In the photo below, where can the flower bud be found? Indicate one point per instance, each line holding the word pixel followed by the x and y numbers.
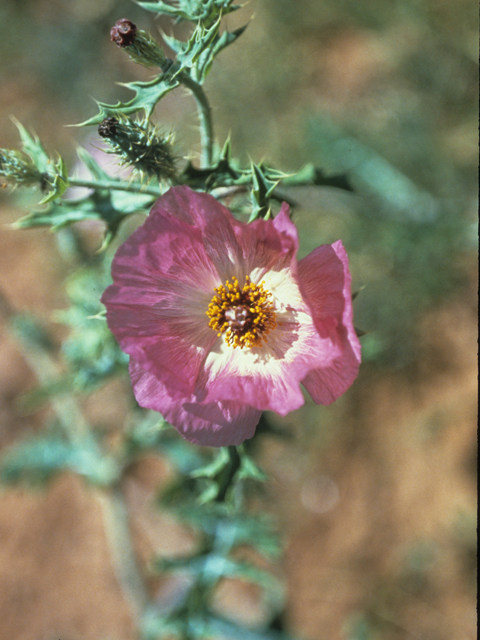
pixel 108 127
pixel 138 44
pixel 18 169
pixel 139 145
pixel 123 32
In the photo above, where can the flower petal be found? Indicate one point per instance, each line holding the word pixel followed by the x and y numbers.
pixel 163 280
pixel 325 281
pixel 234 248
pixel 268 245
pixel 216 424
pixel 269 376
pixel 214 223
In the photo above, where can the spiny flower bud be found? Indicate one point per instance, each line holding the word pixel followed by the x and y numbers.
pixel 17 168
pixel 139 145
pixel 108 127
pixel 139 45
pixel 123 32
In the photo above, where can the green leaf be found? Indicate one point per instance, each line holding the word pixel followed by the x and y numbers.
pixel 93 355
pixel 224 173
pixel 229 630
pixel 37 397
pixel 58 182
pixel 34 148
pixel 32 333
pixel 174 44
pixel 213 468
pixel 309 174
pixel 200 44
pixel 193 10
pixel 227 38
pixel 110 207
pixel 219 519
pixel 262 191
pixel 155 626
pixel 165 9
pixel 92 165
pixel 248 469
pixel 202 48
pixel 54 176
pixel 147 96
pixel 271 586
pixel 213 566
pixel 37 460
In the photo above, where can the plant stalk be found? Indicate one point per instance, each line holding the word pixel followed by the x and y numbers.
pixel 205 116
pixel 228 477
pixel 117 527
pixel 117 186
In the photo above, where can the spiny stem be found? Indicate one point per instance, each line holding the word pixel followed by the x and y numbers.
pixel 204 111
pixel 114 508
pixel 205 115
pixel 118 530
pixel 229 474
pixel 118 186
pixel 43 364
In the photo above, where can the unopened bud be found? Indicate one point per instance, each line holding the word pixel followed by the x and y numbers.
pixel 18 169
pixel 123 32
pixel 108 127
pixel 139 45
pixel 139 145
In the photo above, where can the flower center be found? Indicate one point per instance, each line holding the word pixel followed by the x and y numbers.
pixel 245 315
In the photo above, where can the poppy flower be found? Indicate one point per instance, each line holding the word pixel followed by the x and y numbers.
pixel 222 322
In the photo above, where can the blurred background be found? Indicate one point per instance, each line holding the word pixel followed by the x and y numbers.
pixel 376 495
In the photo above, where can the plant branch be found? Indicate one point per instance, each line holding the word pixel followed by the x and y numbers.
pixel 229 473
pixel 117 186
pixel 117 526
pixel 205 116
pixel 37 351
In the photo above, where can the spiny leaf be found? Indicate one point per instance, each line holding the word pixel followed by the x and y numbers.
pixel 221 42
pixel 165 9
pixel 227 38
pixel 52 176
pixel 174 44
pixel 214 566
pixel 147 95
pixel 33 147
pixel 310 174
pixel 96 171
pixel 262 191
pixel 200 41
pixel 101 205
pixel 221 628
pixel 193 10
pixel 39 459
pixel 61 215
pixel 155 626
pixel 213 468
pixel 203 46
pixel 58 182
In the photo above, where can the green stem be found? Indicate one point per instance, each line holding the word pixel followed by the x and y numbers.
pixel 228 476
pixel 115 514
pixel 118 186
pixel 205 116
pixel 38 355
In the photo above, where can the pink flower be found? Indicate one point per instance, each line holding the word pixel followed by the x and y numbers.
pixel 221 322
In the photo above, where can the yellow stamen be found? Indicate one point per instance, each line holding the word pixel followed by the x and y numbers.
pixel 245 315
